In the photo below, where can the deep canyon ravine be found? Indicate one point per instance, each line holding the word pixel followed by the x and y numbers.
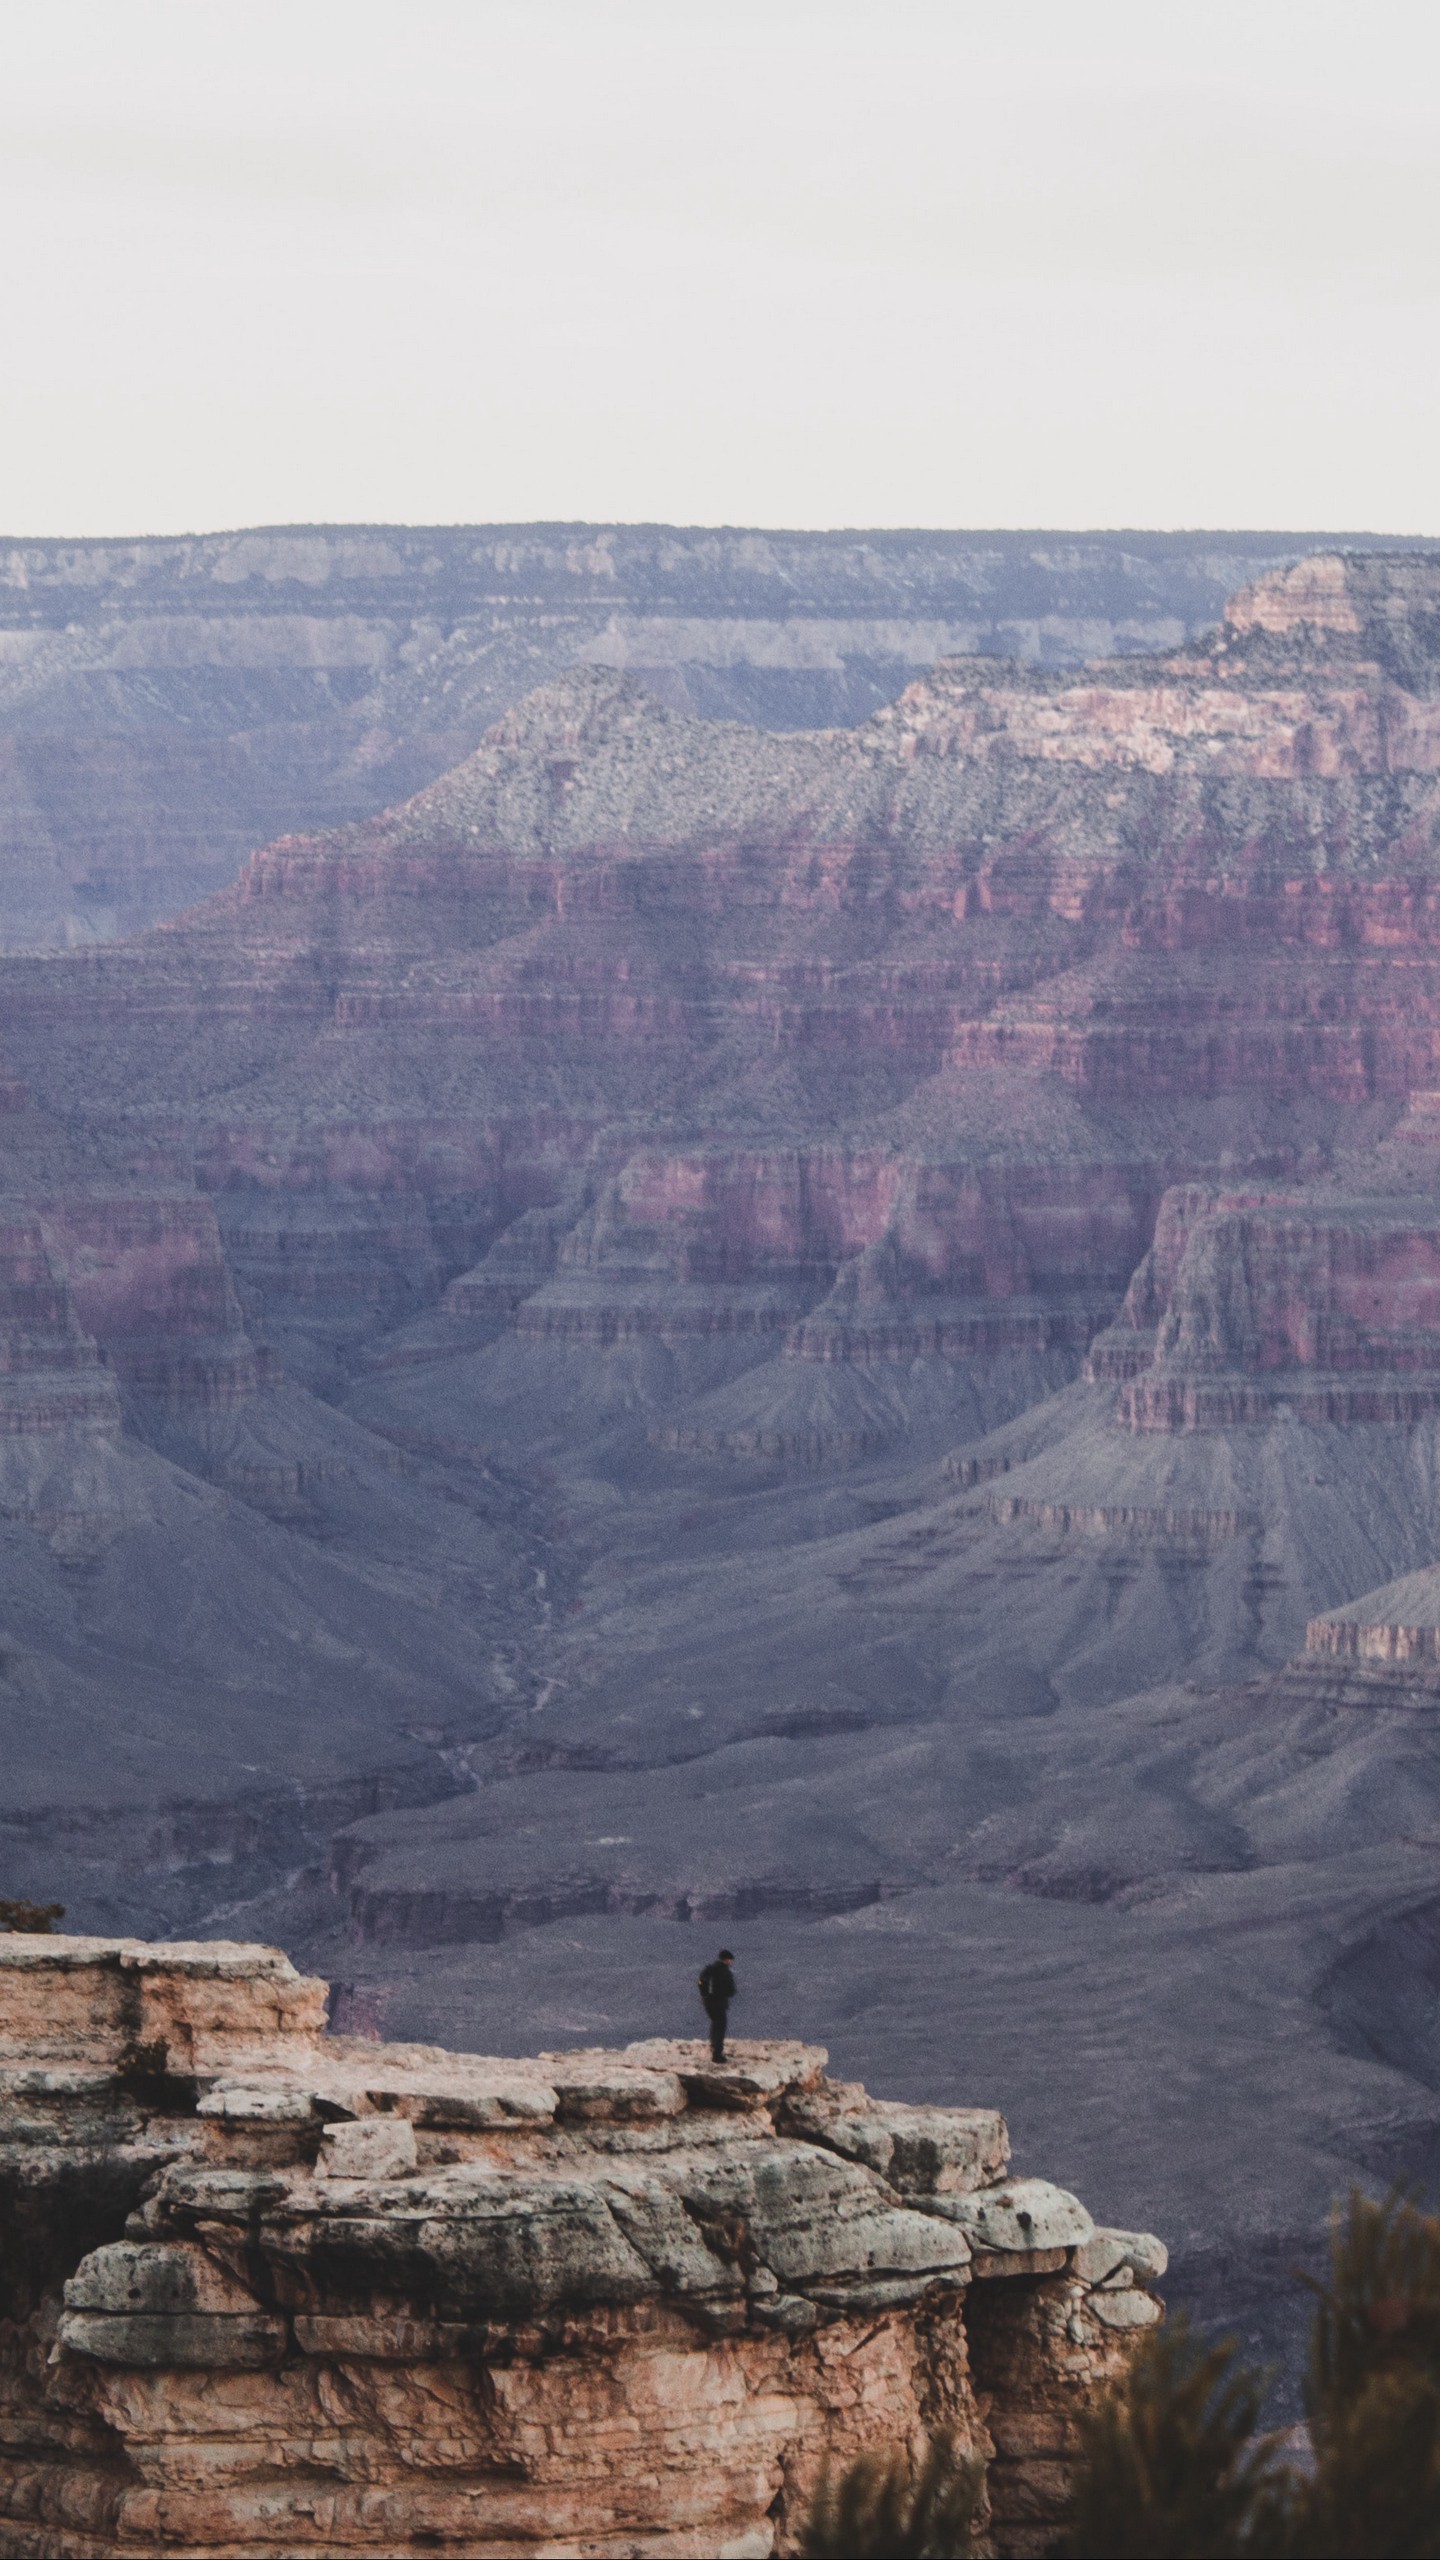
pixel 830 1333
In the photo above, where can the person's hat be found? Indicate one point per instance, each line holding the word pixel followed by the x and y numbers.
pixel 727 1955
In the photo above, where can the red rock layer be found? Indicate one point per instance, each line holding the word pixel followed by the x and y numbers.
pixel 50 1372
pixel 1250 1298
pixel 970 984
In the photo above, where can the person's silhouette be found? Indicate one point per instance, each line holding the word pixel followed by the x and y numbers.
pixel 717 1990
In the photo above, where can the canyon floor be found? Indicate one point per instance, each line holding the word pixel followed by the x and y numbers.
pixel 830 1339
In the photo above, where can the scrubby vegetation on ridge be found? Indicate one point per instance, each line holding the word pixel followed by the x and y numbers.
pixel 30 1919
pixel 1174 2462
pixel 883 2504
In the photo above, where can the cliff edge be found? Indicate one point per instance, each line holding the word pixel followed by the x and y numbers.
pixel 267 2290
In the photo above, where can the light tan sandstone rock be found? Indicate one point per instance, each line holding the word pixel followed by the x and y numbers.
pixel 104 2000
pixel 264 2291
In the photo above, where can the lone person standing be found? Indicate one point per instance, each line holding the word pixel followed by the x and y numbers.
pixel 717 1990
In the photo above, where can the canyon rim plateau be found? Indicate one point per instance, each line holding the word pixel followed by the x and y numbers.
pixel 742 1233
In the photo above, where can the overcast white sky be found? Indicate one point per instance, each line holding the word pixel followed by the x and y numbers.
pixel 799 262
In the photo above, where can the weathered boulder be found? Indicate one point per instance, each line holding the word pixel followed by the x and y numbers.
pixel 119 2001
pixel 1112 2258
pixel 158 2303
pixel 1024 2214
pixel 923 2151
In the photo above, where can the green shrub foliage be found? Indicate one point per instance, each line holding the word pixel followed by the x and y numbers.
pixel 1372 2393
pixel 1173 2464
pixel 886 2507
pixel 31 1919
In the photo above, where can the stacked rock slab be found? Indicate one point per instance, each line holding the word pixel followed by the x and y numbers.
pixel 1399 1623
pixel 266 2290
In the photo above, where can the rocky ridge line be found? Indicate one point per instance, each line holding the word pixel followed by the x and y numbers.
pixel 273 2291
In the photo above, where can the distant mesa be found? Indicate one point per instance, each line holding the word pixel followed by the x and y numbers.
pixel 1399 1623
pixel 168 705
pixel 1246 1301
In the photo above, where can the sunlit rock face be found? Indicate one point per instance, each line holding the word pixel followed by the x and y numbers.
pixel 269 2290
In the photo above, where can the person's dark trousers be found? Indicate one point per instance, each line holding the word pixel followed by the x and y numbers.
pixel 717 2019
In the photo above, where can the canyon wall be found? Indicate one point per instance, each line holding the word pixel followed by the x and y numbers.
pixel 836 1079
pixel 759 1008
pixel 1247 1300
pixel 268 2290
pixel 742 1098
pixel 168 705
pixel 696 1321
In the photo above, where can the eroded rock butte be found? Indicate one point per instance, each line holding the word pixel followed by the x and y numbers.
pixel 268 2290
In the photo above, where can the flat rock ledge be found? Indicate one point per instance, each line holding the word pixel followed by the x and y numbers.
pixel 264 2290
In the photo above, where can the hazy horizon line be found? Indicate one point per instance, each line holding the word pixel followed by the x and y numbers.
pixel 671 524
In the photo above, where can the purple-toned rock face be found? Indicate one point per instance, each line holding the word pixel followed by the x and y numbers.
pixel 786 1331
pixel 167 705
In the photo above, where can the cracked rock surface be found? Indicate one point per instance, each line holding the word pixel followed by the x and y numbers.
pixel 267 2290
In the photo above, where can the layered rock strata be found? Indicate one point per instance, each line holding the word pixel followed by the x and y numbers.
pixel 1248 1300
pixel 857 1047
pixel 272 2291
pixel 674 1102
pixel 1400 1623
pixel 685 1100
pixel 167 705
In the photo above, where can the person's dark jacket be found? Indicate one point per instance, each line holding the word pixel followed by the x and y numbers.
pixel 717 1987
